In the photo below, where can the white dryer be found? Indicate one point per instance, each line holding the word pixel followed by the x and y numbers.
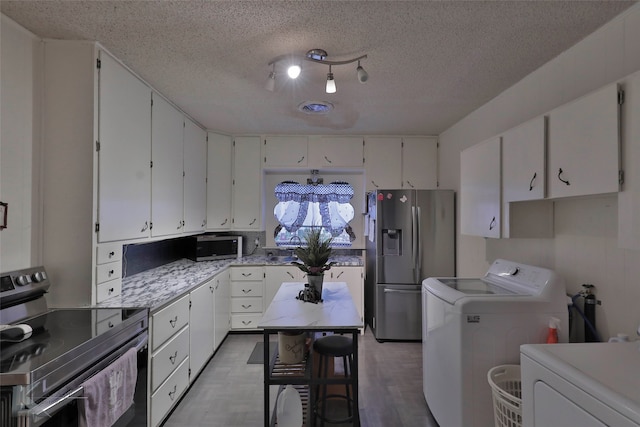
pixel 472 325
pixel 582 384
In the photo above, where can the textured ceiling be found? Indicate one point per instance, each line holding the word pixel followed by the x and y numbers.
pixel 430 63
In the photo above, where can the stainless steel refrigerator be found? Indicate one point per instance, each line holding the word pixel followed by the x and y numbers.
pixel 411 236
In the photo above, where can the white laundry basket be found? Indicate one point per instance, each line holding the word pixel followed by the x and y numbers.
pixel 506 388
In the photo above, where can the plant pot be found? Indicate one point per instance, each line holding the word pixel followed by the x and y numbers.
pixel 316 282
pixel 291 346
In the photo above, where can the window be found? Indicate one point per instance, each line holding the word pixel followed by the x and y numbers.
pixel 303 206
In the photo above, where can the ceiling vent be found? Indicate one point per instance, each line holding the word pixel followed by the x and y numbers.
pixel 315 107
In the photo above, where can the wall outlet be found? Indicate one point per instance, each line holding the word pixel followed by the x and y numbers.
pixel 257 242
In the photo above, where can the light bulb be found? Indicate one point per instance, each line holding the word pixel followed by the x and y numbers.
pixel 363 76
pixel 294 71
pixel 331 84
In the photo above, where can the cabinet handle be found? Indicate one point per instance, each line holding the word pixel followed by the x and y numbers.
pixel 174 322
pixel 247 322
pixel 211 288
pixel 146 227
pixel 172 394
pixel 224 222
pixel 111 254
pixel 563 180
pixel 341 273
pixel 374 184
pixel 290 275
pixel 253 222
pixel 110 291
pixel 204 222
pixel 492 223
pixel 246 306
pixel 110 272
pixel 110 324
pixel 246 274
pixel 410 184
pixel 328 161
pixel 179 225
pixel 301 159
pixel 173 358
pixel 535 174
pixel 246 291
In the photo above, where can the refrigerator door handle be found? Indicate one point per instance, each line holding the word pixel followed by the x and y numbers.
pixel 419 245
pixel 400 291
pixel 414 242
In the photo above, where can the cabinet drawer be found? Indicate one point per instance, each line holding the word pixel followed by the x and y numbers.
pixel 246 305
pixel 245 321
pixel 246 273
pixel 168 321
pixel 169 357
pixel 108 252
pixel 104 325
pixel 110 271
pixel 109 289
pixel 168 394
pixel 246 289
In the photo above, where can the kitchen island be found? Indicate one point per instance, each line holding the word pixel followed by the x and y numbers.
pixel 336 313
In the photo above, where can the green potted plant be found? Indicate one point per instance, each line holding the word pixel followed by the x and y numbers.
pixel 314 257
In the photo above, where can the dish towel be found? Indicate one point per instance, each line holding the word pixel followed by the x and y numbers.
pixel 109 393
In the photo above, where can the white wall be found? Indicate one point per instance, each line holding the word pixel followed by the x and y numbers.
pixel 585 247
pixel 20 61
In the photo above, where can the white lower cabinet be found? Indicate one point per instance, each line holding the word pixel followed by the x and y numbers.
pixel 247 285
pixel 201 327
pixel 169 357
pixel 221 308
pixel 169 393
pixel 276 275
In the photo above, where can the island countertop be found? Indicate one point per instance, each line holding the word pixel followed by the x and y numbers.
pixel 336 311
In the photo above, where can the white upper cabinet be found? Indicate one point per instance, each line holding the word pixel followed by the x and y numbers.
pixel 195 177
pixel 383 162
pixel 124 196
pixel 523 161
pixel 524 180
pixel 480 189
pixel 338 151
pixel 247 184
pixel 219 162
pixel 167 124
pixel 420 163
pixel 584 145
pixel 285 151
pixel 629 197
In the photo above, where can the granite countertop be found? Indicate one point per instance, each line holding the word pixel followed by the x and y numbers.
pixel 159 286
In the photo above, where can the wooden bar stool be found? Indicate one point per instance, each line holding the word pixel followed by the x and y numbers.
pixel 328 347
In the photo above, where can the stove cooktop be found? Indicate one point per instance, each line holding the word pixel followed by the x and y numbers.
pixel 63 342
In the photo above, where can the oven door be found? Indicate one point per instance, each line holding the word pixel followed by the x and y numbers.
pixel 62 410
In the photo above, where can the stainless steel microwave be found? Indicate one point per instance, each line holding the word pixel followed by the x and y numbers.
pixel 210 247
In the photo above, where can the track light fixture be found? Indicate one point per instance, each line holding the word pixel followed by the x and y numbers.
pixel 314 55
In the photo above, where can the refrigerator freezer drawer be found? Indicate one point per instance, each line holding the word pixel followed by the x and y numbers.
pixel 398 312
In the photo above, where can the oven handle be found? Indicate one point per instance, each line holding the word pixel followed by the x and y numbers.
pixel 43 411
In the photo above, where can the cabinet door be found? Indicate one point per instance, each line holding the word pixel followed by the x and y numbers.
pixel 584 145
pixel 166 168
pixel 222 308
pixel 629 198
pixel 480 189
pixel 345 151
pixel 247 188
pixel 219 182
pixel 285 151
pixel 354 277
pixel 124 173
pixel 275 276
pixel 195 177
pixel 420 162
pixel 383 162
pixel 201 326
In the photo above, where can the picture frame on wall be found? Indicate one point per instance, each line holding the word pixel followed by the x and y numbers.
pixel 4 208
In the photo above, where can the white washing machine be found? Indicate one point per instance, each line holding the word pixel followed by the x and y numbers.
pixel 582 384
pixel 472 325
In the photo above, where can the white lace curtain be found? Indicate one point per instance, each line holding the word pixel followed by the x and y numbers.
pixel 301 205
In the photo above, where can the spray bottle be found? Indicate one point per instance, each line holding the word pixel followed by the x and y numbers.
pixel 552 335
